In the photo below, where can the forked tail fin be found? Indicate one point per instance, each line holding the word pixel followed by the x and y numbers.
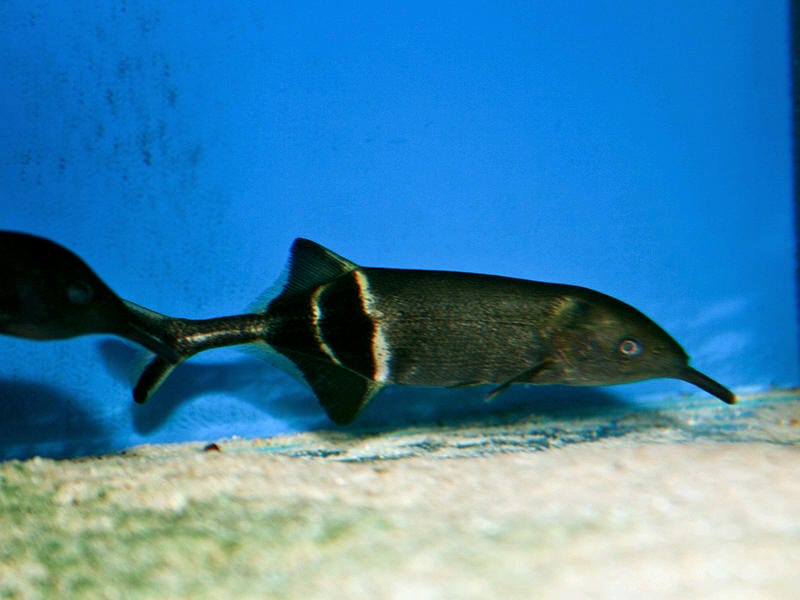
pixel 161 328
pixel 187 337
pixel 150 329
pixel 154 374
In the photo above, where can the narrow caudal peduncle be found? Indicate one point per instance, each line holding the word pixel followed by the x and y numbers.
pixel 197 335
pixel 186 337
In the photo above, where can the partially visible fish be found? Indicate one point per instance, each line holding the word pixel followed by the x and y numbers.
pixel 48 293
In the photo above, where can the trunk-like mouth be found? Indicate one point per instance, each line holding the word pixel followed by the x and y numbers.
pixel 705 382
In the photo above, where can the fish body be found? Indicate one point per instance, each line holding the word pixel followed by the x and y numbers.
pixel 351 330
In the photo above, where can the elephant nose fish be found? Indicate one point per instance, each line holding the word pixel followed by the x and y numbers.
pixel 48 293
pixel 349 331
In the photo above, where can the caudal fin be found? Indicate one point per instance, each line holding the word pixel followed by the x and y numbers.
pixel 151 330
pixel 184 338
pixel 154 374
pixel 157 333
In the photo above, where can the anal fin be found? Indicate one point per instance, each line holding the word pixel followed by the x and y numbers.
pixel 341 392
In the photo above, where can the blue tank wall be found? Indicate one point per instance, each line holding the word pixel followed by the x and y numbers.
pixel 642 149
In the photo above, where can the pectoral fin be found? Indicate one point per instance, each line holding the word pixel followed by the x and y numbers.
pixel 524 376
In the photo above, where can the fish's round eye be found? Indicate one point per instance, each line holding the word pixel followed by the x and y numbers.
pixel 80 292
pixel 630 347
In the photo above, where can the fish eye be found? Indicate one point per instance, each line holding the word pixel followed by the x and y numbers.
pixel 630 347
pixel 80 292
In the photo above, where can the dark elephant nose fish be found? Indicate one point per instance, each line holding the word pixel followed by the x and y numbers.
pixel 49 293
pixel 349 331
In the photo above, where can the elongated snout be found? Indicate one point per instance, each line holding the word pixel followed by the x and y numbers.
pixel 704 382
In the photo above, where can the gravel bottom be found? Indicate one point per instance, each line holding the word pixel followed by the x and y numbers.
pixel 697 500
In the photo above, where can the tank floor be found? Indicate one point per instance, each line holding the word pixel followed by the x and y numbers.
pixel 688 499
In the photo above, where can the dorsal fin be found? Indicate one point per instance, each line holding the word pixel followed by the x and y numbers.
pixel 311 265
pixel 341 392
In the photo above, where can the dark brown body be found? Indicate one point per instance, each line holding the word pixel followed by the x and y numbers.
pixel 352 330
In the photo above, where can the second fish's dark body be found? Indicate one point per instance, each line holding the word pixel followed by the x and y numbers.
pixel 351 330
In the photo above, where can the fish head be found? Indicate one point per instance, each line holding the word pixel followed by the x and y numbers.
pixel 599 340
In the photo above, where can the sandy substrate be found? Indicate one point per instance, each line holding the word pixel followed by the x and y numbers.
pixel 698 500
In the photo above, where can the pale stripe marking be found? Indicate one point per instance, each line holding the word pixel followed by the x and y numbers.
pixel 316 316
pixel 381 353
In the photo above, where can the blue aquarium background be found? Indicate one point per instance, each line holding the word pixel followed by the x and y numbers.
pixel 639 148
